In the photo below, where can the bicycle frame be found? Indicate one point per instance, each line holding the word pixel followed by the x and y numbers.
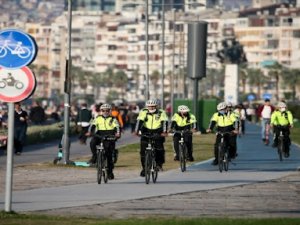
pixel 223 160
pixel 182 149
pixel 283 148
pixel 150 159
pixel 102 163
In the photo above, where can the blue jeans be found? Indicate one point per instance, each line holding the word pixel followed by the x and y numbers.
pixel 264 122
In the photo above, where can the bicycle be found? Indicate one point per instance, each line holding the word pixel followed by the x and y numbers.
pixel 282 147
pixel 150 156
pixel 223 154
pixel 102 163
pixel 182 149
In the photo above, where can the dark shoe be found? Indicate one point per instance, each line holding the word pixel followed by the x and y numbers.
pixel 215 162
pixel 191 159
pixel 92 161
pixel 111 176
pixel 263 139
pixel 286 154
pixel 159 167
pixel 142 174
pixel 18 153
pixel 176 158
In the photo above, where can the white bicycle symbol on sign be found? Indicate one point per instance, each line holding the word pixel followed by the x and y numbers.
pixel 15 49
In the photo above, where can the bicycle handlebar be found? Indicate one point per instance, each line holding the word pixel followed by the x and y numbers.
pixel 151 135
pixel 181 132
pixel 106 137
pixel 223 133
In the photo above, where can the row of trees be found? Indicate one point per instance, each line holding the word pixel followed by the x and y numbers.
pixel 117 81
pixel 272 77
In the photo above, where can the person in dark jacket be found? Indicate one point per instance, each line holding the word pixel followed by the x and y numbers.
pixel 83 120
pixel 21 118
pixel 37 114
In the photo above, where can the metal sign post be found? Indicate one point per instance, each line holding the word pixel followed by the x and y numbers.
pixel 9 164
pixel 17 82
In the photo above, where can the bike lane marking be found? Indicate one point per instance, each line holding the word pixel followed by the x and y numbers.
pixel 16 85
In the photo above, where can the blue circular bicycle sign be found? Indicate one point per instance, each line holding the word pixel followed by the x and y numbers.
pixel 17 49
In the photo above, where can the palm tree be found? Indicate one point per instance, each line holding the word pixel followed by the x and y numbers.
pixel 95 81
pixel 256 78
pixel 155 78
pixel 121 81
pixel 214 78
pixel 243 75
pixel 275 71
pixel 107 79
pixel 291 77
pixel 136 77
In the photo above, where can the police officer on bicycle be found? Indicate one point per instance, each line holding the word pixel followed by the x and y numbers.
pixel 225 122
pixel 155 121
pixel 104 124
pixel 184 120
pixel 282 119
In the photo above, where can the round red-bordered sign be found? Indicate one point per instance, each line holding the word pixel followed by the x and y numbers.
pixel 16 85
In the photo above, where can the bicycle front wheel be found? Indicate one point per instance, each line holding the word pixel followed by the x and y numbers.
pixel 220 156
pixel 182 157
pixel 148 165
pixel 280 148
pixel 225 160
pixel 104 168
pixel 99 167
pixel 154 171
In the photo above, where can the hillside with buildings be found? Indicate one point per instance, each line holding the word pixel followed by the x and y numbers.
pixel 108 48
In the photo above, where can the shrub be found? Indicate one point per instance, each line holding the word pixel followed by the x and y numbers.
pixel 41 134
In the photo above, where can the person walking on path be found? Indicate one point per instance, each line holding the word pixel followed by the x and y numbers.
pixel 21 118
pixel 83 119
pixel 264 112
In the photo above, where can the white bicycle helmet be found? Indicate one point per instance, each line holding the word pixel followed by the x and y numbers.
pixel 281 105
pixel 221 106
pixel 151 102
pixel 105 106
pixel 183 108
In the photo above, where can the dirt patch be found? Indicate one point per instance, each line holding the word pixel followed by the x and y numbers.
pixel 34 176
pixel 276 198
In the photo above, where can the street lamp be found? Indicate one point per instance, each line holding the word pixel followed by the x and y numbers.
pixel 163 4
pixel 67 104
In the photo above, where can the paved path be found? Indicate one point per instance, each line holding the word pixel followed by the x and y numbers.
pixel 255 163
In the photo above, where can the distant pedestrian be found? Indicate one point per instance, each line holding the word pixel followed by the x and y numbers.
pixel 132 116
pixel 37 114
pixel 21 118
pixel 84 117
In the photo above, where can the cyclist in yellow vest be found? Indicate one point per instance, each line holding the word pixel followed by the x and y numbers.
pixel 225 122
pixel 104 124
pixel 152 120
pixel 183 120
pixel 282 119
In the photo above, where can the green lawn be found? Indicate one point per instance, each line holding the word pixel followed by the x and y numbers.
pixel 22 219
